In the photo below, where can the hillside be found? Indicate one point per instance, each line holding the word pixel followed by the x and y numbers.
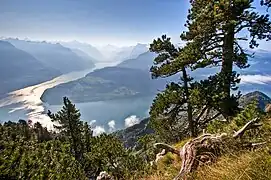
pixel 20 69
pixel 130 52
pixel 119 54
pixel 144 61
pixel 53 55
pixel 105 84
pixel 84 56
pixel 129 136
pixel 257 96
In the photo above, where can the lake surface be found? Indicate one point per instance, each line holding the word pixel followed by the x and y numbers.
pixel 26 104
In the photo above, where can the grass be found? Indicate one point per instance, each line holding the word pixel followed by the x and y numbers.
pixel 243 165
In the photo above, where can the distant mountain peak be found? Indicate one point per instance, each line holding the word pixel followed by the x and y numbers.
pixel 257 96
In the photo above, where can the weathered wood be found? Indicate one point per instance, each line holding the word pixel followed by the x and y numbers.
pixel 250 125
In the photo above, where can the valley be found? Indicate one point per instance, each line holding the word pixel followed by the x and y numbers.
pixel 122 89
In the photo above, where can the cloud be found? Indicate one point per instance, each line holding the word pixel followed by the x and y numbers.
pixel 132 120
pixel 98 130
pixel 111 125
pixel 255 79
pixel 92 122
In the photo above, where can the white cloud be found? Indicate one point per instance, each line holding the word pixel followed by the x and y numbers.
pixel 111 125
pixel 255 79
pixel 132 120
pixel 92 122
pixel 98 130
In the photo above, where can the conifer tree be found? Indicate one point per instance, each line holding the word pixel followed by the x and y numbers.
pixel 68 123
pixel 87 136
pixel 167 64
pixel 176 102
pixel 216 29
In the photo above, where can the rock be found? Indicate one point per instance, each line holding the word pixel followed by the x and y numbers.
pixel 104 176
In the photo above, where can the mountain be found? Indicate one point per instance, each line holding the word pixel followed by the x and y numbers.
pixel 53 55
pixel 144 61
pixel 114 53
pixel 88 49
pixel 138 49
pixel 257 96
pixel 110 51
pixel 105 84
pixel 20 69
pixel 84 56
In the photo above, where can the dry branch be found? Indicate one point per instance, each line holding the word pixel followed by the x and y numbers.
pixel 250 125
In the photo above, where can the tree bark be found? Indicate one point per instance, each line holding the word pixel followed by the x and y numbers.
pixel 192 127
pixel 226 70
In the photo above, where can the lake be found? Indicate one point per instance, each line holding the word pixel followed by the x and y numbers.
pixel 26 104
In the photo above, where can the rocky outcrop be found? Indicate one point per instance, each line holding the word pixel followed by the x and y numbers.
pixel 130 135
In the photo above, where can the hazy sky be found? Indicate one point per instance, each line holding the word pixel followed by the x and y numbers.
pixel 119 22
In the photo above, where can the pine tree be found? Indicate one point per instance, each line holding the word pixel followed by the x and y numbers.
pixel 87 136
pixel 178 101
pixel 69 124
pixel 168 64
pixel 42 133
pixel 215 28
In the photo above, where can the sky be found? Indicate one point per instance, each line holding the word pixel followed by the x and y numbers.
pixel 92 21
pixel 98 22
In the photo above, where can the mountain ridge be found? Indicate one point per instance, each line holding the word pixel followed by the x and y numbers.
pixel 53 55
pixel 105 84
pixel 15 72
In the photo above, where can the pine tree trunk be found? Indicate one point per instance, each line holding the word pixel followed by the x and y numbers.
pixel 227 66
pixel 189 107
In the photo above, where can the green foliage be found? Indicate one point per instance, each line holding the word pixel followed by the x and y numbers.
pixel 214 31
pixel 147 150
pixel 32 152
pixel 212 39
pixel 250 112
pixel 70 126
pixel 108 154
pixel 165 119
pixel 28 158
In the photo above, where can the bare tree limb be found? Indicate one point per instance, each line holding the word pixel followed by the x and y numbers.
pixel 250 125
